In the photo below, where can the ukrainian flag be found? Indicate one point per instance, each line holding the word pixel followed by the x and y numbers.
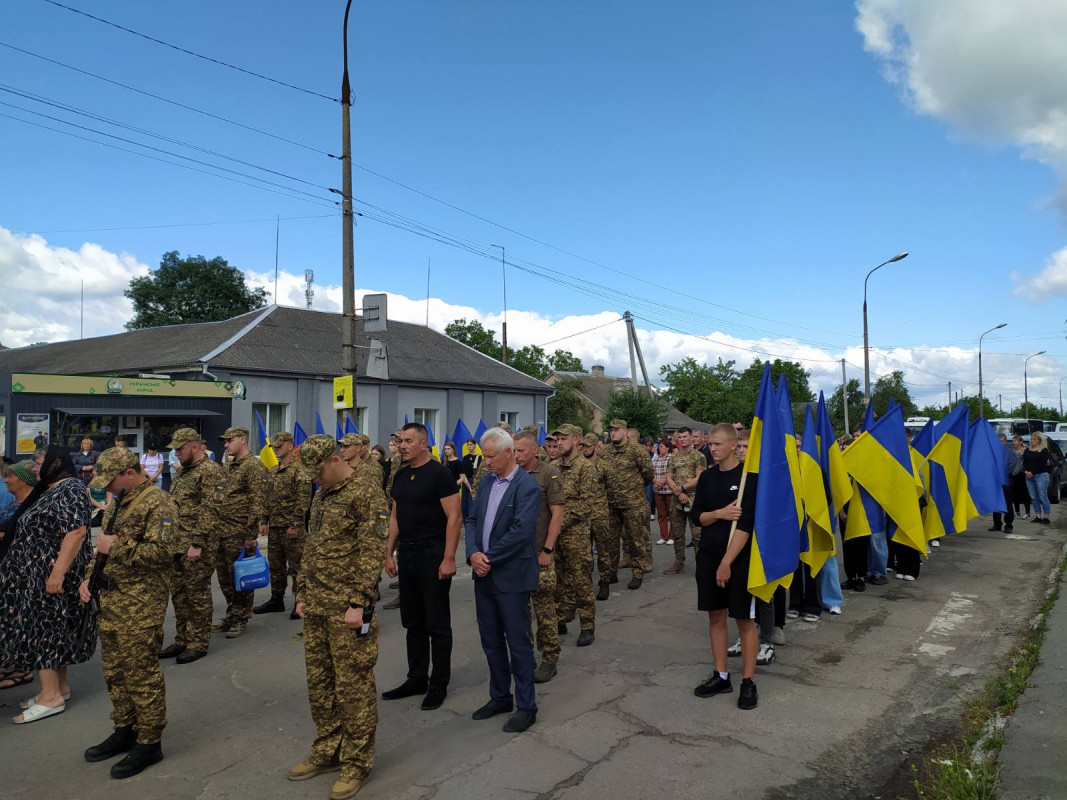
pixel 839 487
pixel 460 436
pixel 319 429
pixel 350 426
pixel 816 498
pixel 937 510
pixel 298 435
pixel 775 534
pixel 986 468
pixel 266 451
pixel 431 442
pixel 789 441
pixel 950 453
pixel 478 433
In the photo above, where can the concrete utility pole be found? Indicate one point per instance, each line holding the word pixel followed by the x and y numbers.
pixel 844 395
pixel 635 346
pixel 348 268
pixel 630 342
pixel 504 326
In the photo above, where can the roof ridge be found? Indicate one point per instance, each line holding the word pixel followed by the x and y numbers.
pixel 239 335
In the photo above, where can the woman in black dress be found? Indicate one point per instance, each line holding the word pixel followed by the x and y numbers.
pixel 39 581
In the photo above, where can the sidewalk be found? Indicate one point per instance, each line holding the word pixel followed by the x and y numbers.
pixel 1031 762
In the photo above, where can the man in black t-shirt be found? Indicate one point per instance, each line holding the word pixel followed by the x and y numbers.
pixel 722 563
pixel 425 526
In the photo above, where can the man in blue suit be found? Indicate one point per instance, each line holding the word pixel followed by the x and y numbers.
pixel 502 551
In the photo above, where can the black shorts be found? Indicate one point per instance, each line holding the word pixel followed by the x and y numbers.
pixel 734 597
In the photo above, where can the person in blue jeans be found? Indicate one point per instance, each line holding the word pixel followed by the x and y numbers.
pixel 829 581
pixel 1037 463
pixel 878 548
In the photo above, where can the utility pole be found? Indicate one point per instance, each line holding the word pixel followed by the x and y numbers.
pixel 427 293
pixel 348 267
pixel 630 342
pixel 844 394
pixel 950 395
pixel 635 346
pixel 277 237
pixel 504 277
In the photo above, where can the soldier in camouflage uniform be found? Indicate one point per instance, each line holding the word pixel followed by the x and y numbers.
pixel 627 468
pixel 395 463
pixel 140 553
pixel 243 514
pixel 368 468
pixel 574 564
pixel 683 468
pixel 343 557
pixel 549 520
pixel 288 500
pixel 193 492
pixel 599 518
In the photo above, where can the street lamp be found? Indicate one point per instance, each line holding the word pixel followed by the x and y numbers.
pixel 997 328
pixel 504 275
pixel 866 349
pixel 1064 378
pixel 1026 396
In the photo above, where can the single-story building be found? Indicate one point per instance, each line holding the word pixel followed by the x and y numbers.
pixel 278 361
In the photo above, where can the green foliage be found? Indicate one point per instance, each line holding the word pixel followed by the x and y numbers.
pixel 565 361
pixel 891 387
pixel 647 414
pixel 1031 411
pixel 474 334
pixel 191 289
pixel 568 406
pixel 530 359
pixel 835 407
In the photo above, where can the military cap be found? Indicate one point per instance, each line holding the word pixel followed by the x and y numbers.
pixel 363 439
pixel 315 450
pixel 532 428
pixel 348 438
pixel 112 463
pixel 23 470
pixel 183 436
pixel 551 436
pixel 591 440
pixel 281 437
pixel 503 426
pixel 233 433
pixel 617 423
pixel 567 430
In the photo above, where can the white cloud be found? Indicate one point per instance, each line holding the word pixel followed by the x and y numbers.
pixel 1050 282
pixel 41 297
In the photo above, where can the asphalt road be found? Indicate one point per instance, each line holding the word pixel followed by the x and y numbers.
pixel 848 701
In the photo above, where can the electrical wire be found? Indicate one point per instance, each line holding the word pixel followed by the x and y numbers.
pixel 188 224
pixel 579 333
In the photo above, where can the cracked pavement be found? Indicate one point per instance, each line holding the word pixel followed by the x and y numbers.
pixel 848 701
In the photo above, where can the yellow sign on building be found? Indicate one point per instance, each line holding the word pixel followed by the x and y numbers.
pixel 342 392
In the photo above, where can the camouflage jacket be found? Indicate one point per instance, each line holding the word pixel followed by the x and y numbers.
pixel 345 549
pixel 371 471
pixel 481 472
pixel 580 486
pixel 600 497
pixel 242 497
pixel 626 469
pixel 193 492
pixel 139 561
pixel 289 495
pixel 685 466
pixel 395 463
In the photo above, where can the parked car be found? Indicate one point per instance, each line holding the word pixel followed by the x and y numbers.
pixel 1057 442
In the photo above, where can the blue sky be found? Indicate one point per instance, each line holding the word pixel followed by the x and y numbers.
pixel 753 162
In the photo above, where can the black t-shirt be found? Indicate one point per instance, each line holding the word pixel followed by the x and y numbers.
pixel 418 493
pixel 1037 461
pixel 455 468
pixel 716 489
pixel 469 465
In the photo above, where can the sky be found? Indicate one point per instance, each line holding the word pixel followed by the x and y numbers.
pixel 727 172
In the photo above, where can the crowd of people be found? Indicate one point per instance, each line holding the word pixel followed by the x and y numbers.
pixel 546 529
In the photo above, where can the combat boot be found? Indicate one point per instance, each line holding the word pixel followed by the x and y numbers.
pixel 222 625
pixel 276 603
pixel 120 741
pixel 343 788
pixel 676 568
pixel 237 629
pixel 137 760
pixel 602 590
pixel 545 671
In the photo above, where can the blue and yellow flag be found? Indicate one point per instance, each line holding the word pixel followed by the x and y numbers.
pixel 542 434
pixel 986 468
pixel 938 508
pixel 265 450
pixel 298 435
pixel 789 441
pixel 838 484
pixel 881 463
pixel 460 436
pixel 478 433
pixel 339 432
pixel 431 442
pixel 350 426
pixel 319 428
pixel 950 453
pixel 816 498
pixel 775 535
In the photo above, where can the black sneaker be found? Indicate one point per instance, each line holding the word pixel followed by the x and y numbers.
pixel 137 760
pixel 859 585
pixel 1008 529
pixel 121 741
pixel 994 529
pixel 748 697
pixel 714 685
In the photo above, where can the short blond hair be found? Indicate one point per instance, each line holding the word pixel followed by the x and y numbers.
pixel 725 428
pixel 87 442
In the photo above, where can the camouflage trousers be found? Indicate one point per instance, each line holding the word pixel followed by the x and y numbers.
pixel 238 604
pixel 283 555
pixel 134 678
pixel 574 577
pixel 607 561
pixel 630 525
pixel 344 702
pixel 190 592
pixel 543 600
pixel 678 522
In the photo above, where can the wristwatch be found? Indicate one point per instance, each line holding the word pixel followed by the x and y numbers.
pixel 547 550
pixel 355 606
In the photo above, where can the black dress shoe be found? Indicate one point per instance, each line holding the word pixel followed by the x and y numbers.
pixel 434 698
pixel 137 760
pixel 492 708
pixel 585 638
pixel 614 580
pixel 293 614
pixel 408 688
pixel 994 528
pixel 519 721
pixel 171 651
pixel 716 684
pixel 189 656
pixel 121 741
pixel 1008 529
pixel 602 591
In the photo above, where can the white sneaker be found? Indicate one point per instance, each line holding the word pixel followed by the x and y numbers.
pixel 734 650
pixel 812 617
pixel 792 613
pixel 936 543
pixel 778 635
pixel 908 577
pixel 765 655
pixel 1024 516
pixel 661 541
pixel 834 609
pixel 669 541
pixel 900 576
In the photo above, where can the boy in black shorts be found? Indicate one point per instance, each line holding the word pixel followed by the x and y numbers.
pixel 722 564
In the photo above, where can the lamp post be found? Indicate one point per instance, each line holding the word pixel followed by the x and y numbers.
pixel 1061 393
pixel 504 276
pixel 997 328
pixel 1026 395
pixel 866 349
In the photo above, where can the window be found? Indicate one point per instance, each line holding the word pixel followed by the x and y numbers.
pixel 273 416
pixel 428 417
pixel 358 415
pixel 511 418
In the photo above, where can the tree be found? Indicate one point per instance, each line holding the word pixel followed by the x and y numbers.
pixel 191 289
pixel 565 361
pixel 530 359
pixel 891 387
pixel 647 414
pixel 746 389
pixel 836 409
pixel 568 406
pixel 474 334
pixel 1031 411
pixel 700 391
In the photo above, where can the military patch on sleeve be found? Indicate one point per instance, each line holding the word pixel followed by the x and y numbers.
pixel 383 515
pixel 168 529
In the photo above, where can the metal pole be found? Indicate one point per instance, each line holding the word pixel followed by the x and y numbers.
pixel 427 293
pixel 1026 395
pixel 950 395
pixel 504 277
pixel 1061 395
pixel 629 341
pixel 866 348
pixel 844 394
pixel 348 268
pixel 640 357
pixel 277 235
pixel 995 328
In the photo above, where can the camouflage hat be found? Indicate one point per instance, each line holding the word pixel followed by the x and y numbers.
pixel 233 433
pixel 315 450
pixel 550 436
pixel 591 440
pixel 532 428
pixel 348 439
pixel 567 430
pixel 281 437
pixel 112 463
pixel 183 436
pixel 617 423
pixel 503 426
pixel 362 439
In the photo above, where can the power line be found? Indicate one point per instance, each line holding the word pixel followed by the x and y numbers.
pixel 271 220
pixel 579 333
pixel 185 50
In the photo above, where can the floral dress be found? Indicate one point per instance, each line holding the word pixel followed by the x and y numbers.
pixel 40 630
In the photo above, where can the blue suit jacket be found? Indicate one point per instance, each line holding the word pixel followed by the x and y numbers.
pixel 512 549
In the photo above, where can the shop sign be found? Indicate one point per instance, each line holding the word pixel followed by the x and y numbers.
pixel 35 383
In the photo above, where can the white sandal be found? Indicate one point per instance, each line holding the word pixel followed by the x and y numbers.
pixel 33 700
pixel 37 711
